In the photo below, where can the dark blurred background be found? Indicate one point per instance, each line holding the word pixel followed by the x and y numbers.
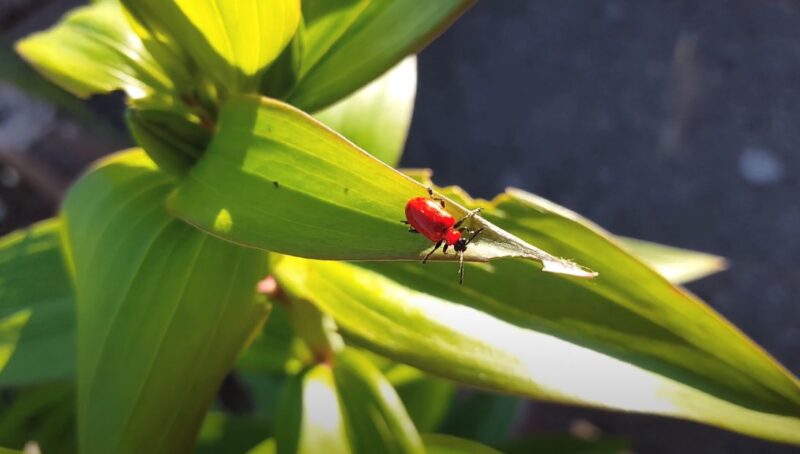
pixel 674 121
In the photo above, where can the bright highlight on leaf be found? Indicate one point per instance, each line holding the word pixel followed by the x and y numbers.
pixel 286 183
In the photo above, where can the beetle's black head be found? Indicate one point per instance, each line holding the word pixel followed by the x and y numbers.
pixel 461 245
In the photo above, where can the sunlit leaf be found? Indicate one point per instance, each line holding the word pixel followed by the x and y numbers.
pixel 426 398
pixel 627 340
pixel 353 43
pixel 677 265
pixel 274 178
pixel 376 418
pixel 377 117
pixel 163 310
pixel 37 320
pixel 312 418
pixel 231 42
pixel 93 50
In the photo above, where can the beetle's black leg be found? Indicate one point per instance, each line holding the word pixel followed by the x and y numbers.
pixel 404 222
pixel 466 217
pixel 432 251
pixel 412 230
pixel 438 199
pixel 445 248
pixel 461 268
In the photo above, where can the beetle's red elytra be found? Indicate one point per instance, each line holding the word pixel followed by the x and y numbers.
pixel 427 216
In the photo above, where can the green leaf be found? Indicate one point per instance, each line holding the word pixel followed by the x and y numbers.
pixel 377 117
pixel 163 310
pixel 44 413
pixel 9 451
pixel 276 349
pixel 376 418
pixel 566 444
pixel 223 433
pixel 677 265
pixel 312 418
pixel 173 140
pixel 627 340
pixel 446 444
pixel 37 319
pixel 93 50
pixel 347 45
pixel 484 417
pixel 276 179
pixel 230 42
pixel 426 398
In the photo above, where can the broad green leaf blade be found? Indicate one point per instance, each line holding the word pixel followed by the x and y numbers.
pixel 93 50
pixel 376 418
pixel 163 310
pixel 679 266
pixel 231 42
pixel 446 444
pixel 628 340
pixel 312 418
pixel 377 117
pixel 9 451
pixel 37 314
pixel 360 48
pixel 275 178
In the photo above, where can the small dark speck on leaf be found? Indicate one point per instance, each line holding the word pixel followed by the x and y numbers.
pixel 346 190
pixel 275 183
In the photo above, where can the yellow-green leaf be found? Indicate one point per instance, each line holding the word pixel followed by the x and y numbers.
pixel 361 40
pixel 275 178
pixel 93 50
pixel 163 310
pixel 677 265
pixel 377 117
pixel 231 42
pixel 628 340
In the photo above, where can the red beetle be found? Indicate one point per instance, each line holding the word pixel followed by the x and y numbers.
pixel 428 217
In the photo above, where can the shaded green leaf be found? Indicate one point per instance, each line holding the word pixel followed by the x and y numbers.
pixel 93 50
pixel 226 433
pixel 230 42
pixel 274 178
pixel 627 340
pixel 376 418
pixel 42 413
pixel 447 444
pixel 163 310
pixel 484 417
pixel 173 140
pixel 37 319
pixel 347 45
pixel 426 398
pixel 565 444
pixel 677 265
pixel 377 117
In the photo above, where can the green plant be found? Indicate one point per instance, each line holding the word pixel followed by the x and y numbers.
pixel 166 260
